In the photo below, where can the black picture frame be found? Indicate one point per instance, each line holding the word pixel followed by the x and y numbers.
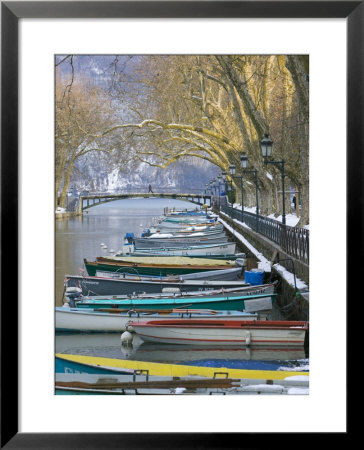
pixel 11 12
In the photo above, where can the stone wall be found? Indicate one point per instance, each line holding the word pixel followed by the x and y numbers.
pixel 270 250
pixel 289 304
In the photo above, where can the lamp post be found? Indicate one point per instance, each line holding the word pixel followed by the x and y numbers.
pixel 266 145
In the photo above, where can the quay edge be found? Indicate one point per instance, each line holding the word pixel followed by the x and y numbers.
pixel 291 304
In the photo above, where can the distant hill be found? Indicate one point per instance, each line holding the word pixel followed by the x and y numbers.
pixel 187 175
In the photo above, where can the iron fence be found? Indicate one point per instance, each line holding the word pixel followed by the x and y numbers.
pixel 292 240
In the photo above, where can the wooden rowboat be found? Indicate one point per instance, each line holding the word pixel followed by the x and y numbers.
pixel 72 363
pixel 220 302
pixel 156 266
pixel 141 382
pixel 222 332
pixel 232 274
pixel 111 321
pixel 165 240
pixel 125 286
pixel 213 250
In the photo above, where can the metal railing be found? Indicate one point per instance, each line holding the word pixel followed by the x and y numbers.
pixel 292 240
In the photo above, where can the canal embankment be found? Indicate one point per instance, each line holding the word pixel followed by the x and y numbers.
pixel 67 215
pixel 290 275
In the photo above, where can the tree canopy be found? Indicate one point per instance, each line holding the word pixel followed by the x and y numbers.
pixel 161 108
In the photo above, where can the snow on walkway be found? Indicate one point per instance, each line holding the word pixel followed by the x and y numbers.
pixel 264 263
pixel 291 219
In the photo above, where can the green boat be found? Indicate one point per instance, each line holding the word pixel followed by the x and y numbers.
pixel 157 266
pixel 231 301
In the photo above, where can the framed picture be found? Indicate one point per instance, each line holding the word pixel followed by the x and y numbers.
pixel 18 214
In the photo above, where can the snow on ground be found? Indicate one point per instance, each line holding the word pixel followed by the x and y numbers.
pixel 301 285
pixel 264 263
pixel 298 391
pixel 291 219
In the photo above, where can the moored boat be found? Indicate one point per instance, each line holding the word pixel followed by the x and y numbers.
pixel 96 321
pixel 154 232
pixel 233 274
pixel 222 332
pixel 212 251
pixel 137 383
pixel 125 286
pixel 166 240
pixel 223 301
pixel 156 265
pixel 74 363
pixel 183 252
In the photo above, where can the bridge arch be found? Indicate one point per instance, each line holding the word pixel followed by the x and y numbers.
pixel 98 199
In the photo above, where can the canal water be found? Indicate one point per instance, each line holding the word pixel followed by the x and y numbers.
pixel 80 238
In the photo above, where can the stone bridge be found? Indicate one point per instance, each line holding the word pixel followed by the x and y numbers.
pixel 87 201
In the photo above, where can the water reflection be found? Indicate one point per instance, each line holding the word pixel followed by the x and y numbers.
pixel 256 358
pixel 80 237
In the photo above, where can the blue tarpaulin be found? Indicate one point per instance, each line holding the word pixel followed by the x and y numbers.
pixel 254 278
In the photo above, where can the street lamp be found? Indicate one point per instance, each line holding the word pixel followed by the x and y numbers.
pixel 266 145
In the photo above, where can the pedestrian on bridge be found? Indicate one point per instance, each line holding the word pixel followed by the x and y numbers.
pixel 150 189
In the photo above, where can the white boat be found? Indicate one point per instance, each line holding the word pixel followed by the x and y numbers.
pixel 167 240
pixel 219 331
pixel 156 233
pixel 192 226
pixel 212 250
pixel 82 320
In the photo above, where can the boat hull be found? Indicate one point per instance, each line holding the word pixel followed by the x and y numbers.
pixel 178 242
pixel 139 269
pixel 211 275
pixel 86 321
pixel 86 364
pixel 237 302
pixel 193 333
pixel 227 248
pixel 124 286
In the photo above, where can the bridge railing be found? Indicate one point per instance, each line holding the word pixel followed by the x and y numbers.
pixel 93 199
pixel 140 190
pixel 292 240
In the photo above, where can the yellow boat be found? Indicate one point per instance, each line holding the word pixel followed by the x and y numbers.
pixel 95 364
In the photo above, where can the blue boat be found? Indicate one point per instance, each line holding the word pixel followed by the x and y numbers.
pixel 63 365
